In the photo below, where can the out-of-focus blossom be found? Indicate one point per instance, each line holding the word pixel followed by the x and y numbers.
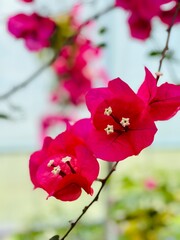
pixel 75 68
pixel 142 12
pixel 150 184
pixel 166 16
pixel 36 30
pixel 163 101
pixel 64 166
pixel 27 1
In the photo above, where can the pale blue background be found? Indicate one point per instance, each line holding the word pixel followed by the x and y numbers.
pixel 124 57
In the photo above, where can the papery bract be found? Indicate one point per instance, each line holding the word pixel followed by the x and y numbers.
pixel 142 13
pixel 166 16
pixel 36 30
pixel 27 1
pixel 162 101
pixel 140 28
pixel 120 125
pixel 74 68
pixel 64 166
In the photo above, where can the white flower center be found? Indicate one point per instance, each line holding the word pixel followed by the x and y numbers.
pixel 66 159
pixel 50 163
pixel 125 122
pixel 108 111
pixel 109 129
pixel 56 170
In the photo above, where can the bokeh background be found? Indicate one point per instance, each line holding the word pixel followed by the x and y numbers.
pixel 142 199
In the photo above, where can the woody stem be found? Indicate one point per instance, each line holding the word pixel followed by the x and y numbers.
pixel 166 48
pixel 103 183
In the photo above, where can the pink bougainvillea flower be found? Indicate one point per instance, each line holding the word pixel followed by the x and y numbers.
pixel 27 1
pixel 140 28
pixel 140 7
pixel 64 166
pixel 166 16
pixel 140 19
pixel 75 70
pixel 162 101
pixel 120 125
pixel 36 30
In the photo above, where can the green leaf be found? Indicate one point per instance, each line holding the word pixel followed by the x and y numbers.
pixel 4 116
pixel 102 45
pixel 102 30
pixel 156 53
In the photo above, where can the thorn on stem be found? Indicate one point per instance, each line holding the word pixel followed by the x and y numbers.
pixel 85 209
pixel 71 222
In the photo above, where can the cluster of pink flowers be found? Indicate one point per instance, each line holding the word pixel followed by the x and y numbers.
pixel 122 124
pixel 77 65
pixel 142 12
pixel 74 69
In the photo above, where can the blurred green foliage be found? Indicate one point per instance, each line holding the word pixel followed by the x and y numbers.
pixel 140 208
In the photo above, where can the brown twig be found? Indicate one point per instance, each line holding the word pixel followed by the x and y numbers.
pixel 103 182
pixel 30 79
pixel 166 48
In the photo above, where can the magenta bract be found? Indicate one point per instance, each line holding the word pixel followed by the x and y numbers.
pixel 75 70
pixel 120 125
pixel 64 166
pixel 142 13
pixel 36 30
pixel 27 1
pixel 162 101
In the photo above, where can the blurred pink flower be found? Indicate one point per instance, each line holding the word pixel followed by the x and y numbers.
pixel 166 16
pixel 36 30
pixel 74 66
pixel 142 12
pixel 150 184
pixel 27 1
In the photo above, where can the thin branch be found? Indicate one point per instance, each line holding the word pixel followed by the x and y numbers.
pixel 97 15
pixel 103 181
pixel 166 48
pixel 30 79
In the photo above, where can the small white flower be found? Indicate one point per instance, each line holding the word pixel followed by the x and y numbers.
pixel 56 170
pixel 108 111
pixel 109 129
pixel 50 163
pixel 66 159
pixel 125 122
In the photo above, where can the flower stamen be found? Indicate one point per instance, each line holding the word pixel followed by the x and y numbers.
pixel 66 159
pixel 50 163
pixel 56 170
pixel 108 111
pixel 109 129
pixel 125 122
